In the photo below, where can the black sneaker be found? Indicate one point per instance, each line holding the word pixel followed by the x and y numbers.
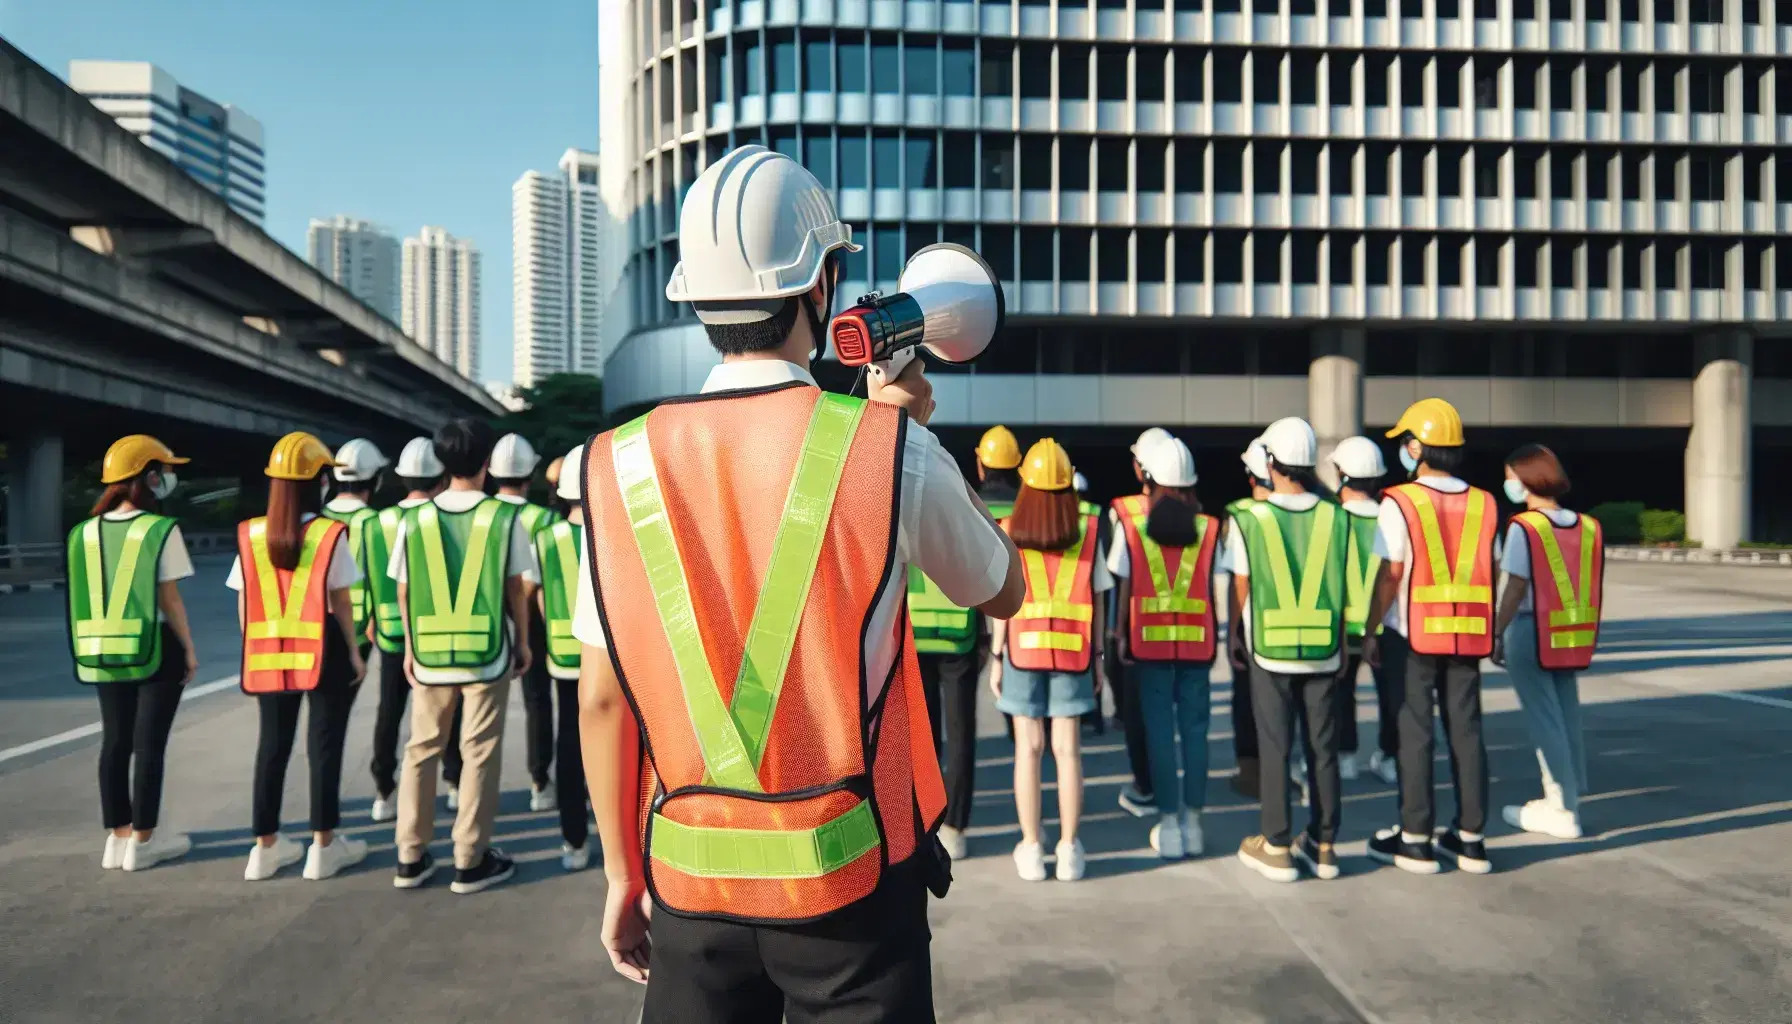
pixel 1137 804
pixel 414 874
pixel 1469 856
pixel 1320 859
pixel 1389 846
pixel 488 872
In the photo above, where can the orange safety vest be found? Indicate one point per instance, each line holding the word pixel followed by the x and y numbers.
pixel 1172 592
pixel 1449 572
pixel 1567 588
pixel 782 781
pixel 1054 631
pixel 285 611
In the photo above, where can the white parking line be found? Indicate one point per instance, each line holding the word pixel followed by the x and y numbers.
pixel 93 729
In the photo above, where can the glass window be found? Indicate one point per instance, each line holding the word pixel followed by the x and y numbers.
pixel 1449 81
pixel 997 248
pixel 1561 262
pixel 1228 165
pixel 920 167
pixel 1529 255
pixel 1707 87
pixel 857 265
pixel 1524 165
pixel 1377 67
pixel 1266 76
pixel 818 66
pixel 1191 257
pixel 1707 173
pixel 996 72
pixel 1487 82
pixel 1631 164
pixel 1487 261
pixel 1035 253
pixel 1110 165
pixel 1665 100
pixel 959 66
pixel 1152 244
pixel 852 66
pixel 886 65
pixel 1110 73
pixel 1630 86
pixel 1412 80
pixel 1665 190
pixel 1752 166
pixel 1449 261
pixel 1561 174
pixel 1228 257
pixel 784 141
pixel 720 75
pixel 1561 84
pixel 1113 260
pixel 784 64
pixel 1342 259
pixel 1190 75
pixel 998 161
pixel 1412 169
pixel 1598 75
pixel 1449 169
pixel 1073 254
pixel 1073 163
pixel 1340 71
pixel 1036 162
pixel 1148 157
pixel 1524 83
pixel 886 159
pixel 1073 72
pixel 1035 72
pixel 1599 174
pixel 1150 77
pixel 818 157
pixel 1191 165
pixel 1378 158
pixel 886 253
pixel 923 66
pixel 854 167
pixel 1343 175
pixel 960 152
pixel 1599 263
pixel 1375 253
pixel 1305 256
pixel 1753 80
pixel 1667 264
pixel 1228 76
pixel 1303 77
pixel 752 67
pixel 1266 167
pixel 918 237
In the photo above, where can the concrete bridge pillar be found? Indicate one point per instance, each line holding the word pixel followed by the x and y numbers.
pixel 1335 391
pixel 1718 450
pixel 34 499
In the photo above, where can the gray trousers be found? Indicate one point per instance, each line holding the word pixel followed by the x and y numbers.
pixel 1551 703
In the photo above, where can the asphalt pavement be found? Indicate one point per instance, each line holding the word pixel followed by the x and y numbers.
pixel 1676 908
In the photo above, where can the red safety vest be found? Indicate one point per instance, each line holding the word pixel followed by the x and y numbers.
pixel 1172 592
pixel 1449 571
pixel 1054 630
pixel 737 583
pixel 1567 588
pixel 285 611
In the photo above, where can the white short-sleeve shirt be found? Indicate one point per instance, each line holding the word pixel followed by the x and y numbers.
pixel 1237 562
pixel 1516 559
pixel 175 562
pixel 939 527
pixel 1391 543
pixel 344 573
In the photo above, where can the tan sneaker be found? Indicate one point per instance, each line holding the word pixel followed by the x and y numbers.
pixel 1272 862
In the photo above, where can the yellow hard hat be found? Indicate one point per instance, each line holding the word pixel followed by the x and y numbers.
pixel 1047 467
pixel 998 449
pixel 298 456
pixel 129 455
pixel 1433 421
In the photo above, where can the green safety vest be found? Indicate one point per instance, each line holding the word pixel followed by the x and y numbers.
pixel 456 564
pixel 388 617
pixel 359 539
pixel 1297 578
pixel 557 548
pixel 1087 509
pixel 1360 570
pixel 536 518
pixel 114 625
pixel 942 627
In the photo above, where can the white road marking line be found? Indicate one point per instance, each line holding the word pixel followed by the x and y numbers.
pixel 93 728
pixel 1686 691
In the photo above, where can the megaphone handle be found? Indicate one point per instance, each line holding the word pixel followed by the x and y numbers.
pixel 886 370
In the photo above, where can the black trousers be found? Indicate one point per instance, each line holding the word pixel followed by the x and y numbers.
pixel 395 690
pixel 1453 685
pixel 1387 698
pixel 867 964
pixel 326 729
pixel 451 753
pixel 1132 719
pixel 569 781
pixel 950 683
pixel 538 705
pixel 1279 699
pixel 1244 715
pixel 135 720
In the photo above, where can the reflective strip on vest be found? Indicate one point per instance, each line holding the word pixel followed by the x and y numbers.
pixel 1056 606
pixel 560 580
pixel 1458 590
pixel 763 853
pixel 282 661
pixel 111 633
pixel 1577 609
pixel 1173 596
pixel 1296 622
pixel 732 737
pixel 457 629
pixel 283 621
pixel 388 615
pixel 1174 634
pixel 1360 570
pixel 941 627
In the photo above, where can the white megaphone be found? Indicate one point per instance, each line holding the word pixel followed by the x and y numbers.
pixel 949 302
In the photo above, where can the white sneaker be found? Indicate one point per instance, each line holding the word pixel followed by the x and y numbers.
pixel 1166 837
pixel 114 856
pixel 953 840
pixel 140 856
pixel 1194 840
pixel 327 861
pixel 1071 862
pixel 385 808
pixel 1539 817
pixel 1385 767
pixel 575 858
pixel 543 799
pixel 1348 768
pixel 453 797
pixel 266 861
pixel 1029 861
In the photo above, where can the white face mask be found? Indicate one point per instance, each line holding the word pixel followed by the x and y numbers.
pixel 1516 492
pixel 165 483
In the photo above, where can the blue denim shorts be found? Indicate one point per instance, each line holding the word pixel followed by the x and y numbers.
pixel 1038 694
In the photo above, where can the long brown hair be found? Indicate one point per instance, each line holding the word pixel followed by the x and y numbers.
pixel 288 501
pixel 1045 520
pixel 135 490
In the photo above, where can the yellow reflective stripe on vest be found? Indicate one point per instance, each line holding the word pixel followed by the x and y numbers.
pixel 283 620
pixel 1577 609
pixel 764 853
pixel 1170 596
pixel 561 643
pixel 1451 589
pixel 458 629
pixel 1057 604
pixel 1174 634
pixel 1293 620
pixel 1359 580
pixel 1070 611
pixel 1168 605
pixel 1047 640
pixel 1470 624
pixel 282 661
pixel 111 632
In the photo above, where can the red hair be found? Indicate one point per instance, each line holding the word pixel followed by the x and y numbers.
pixel 135 490
pixel 1538 469
pixel 1045 520
pixel 288 501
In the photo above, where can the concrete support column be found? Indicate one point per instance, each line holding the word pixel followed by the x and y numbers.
pixel 1718 450
pixel 1335 391
pixel 35 503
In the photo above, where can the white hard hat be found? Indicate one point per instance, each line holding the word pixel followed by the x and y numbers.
pixel 1079 483
pixel 571 470
pixel 1256 458
pixel 755 229
pixel 1291 442
pixel 1150 437
pixel 358 461
pixel 1359 458
pixel 513 458
pixel 418 460
pixel 1169 463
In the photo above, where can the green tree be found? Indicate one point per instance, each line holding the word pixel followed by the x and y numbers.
pixel 561 410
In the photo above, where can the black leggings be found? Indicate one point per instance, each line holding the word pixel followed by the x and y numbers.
pixel 135 720
pixel 569 781
pixel 326 730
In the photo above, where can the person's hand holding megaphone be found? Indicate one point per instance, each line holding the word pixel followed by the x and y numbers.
pixel 910 390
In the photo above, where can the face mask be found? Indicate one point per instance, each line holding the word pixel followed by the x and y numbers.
pixel 164 485
pixel 1407 460
pixel 1515 492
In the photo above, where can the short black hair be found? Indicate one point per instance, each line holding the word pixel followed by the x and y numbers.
pixel 362 488
pixel 465 446
pixel 1001 477
pixel 419 483
pixel 510 481
pixel 1444 460
pixel 756 336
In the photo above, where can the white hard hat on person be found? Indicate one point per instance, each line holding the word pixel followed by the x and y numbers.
pixel 1151 436
pixel 1359 458
pixel 1079 483
pixel 572 468
pixel 359 461
pixel 1291 442
pixel 1169 463
pixel 418 460
pixel 1256 458
pixel 755 229
pixel 513 458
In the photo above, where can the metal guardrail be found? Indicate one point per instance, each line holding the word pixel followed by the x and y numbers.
pixel 47 563
pixel 1703 556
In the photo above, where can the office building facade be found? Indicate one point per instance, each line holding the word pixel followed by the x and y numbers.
pixel 439 297
pixel 217 144
pixel 359 256
pixel 1566 217
pixel 557 223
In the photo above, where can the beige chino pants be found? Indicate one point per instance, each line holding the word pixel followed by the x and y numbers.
pixel 481 749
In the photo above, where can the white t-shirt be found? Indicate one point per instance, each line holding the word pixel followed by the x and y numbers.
pixel 175 563
pixel 345 503
pixel 1237 561
pixel 344 573
pixel 1516 561
pixel 1391 542
pixel 939 527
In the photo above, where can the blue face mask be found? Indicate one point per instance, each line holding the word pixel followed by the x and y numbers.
pixel 1406 459
pixel 1515 492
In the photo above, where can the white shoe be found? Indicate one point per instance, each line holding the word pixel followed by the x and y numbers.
pixel 543 800
pixel 1385 767
pixel 1348 768
pixel 953 840
pixel 141 856
pixel 327 861
pixel 1166 837
pixel 575 858
pixel 1029 861
pixel 266 861
pixel 385 808
pixel 114 856
pixel 1539 817
pixel 1071 862
pixel 1194 840
pixel 453 797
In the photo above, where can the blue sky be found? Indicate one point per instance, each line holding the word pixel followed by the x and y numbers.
pixel 404 112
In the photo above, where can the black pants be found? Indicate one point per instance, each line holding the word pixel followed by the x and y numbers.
pixel 1279 700
pixel 538 705
pixel 950 683
pixel 1387 698
pixel 867 964
pixel 1244 716
pixel 569 781
pixel 1132 723
pixel 451 753
pixel 326 729
pixel 135 720
pixel 1453 685
pixel 395 690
